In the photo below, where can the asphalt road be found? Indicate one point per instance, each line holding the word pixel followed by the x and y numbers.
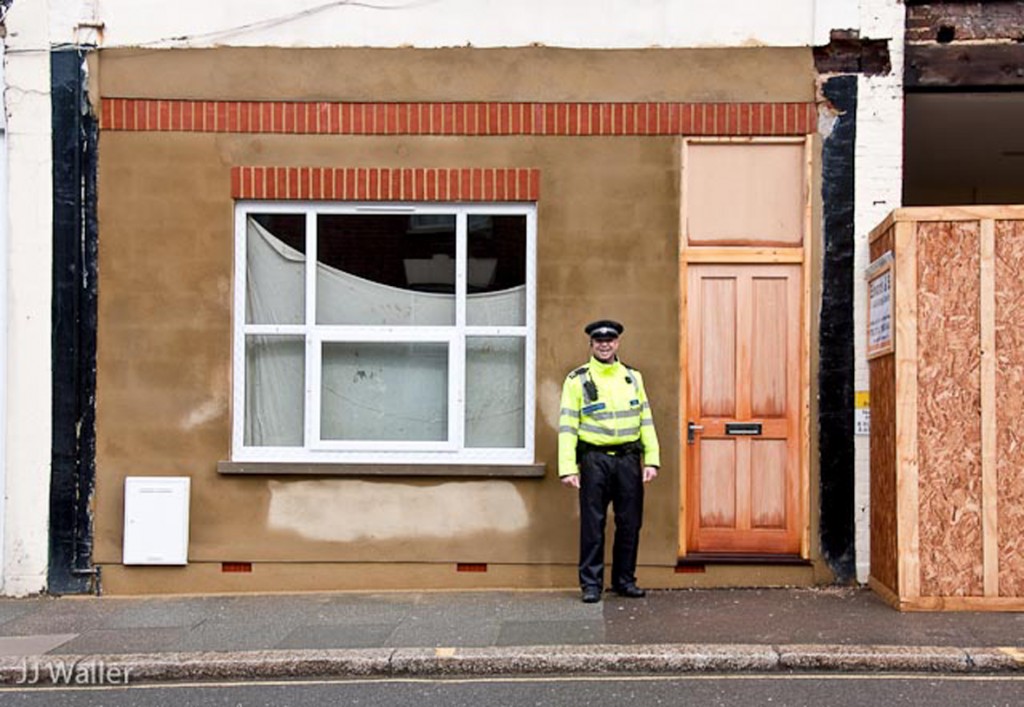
pixel 705 690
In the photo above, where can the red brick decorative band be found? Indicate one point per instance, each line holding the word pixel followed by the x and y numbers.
pixel 385 184
pixel 325 118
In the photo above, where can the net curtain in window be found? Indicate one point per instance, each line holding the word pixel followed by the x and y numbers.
pixel 402 401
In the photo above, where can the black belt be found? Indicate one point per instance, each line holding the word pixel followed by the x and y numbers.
pixel 633 447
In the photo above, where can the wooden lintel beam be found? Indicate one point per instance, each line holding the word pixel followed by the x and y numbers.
pixel 964 66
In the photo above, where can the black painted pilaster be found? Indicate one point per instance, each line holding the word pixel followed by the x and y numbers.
pixel 835 374
pixel 73 337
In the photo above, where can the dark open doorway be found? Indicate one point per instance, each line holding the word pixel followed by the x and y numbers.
pixel 964 148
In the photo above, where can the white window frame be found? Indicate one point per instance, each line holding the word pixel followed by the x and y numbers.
pixel 314 449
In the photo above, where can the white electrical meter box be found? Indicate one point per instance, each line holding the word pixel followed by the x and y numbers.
pixel 156 520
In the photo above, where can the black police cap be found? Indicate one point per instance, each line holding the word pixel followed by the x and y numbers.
pixel 604 329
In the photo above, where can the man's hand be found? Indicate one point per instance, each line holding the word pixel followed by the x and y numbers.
pixel 572 480
pixel 649 473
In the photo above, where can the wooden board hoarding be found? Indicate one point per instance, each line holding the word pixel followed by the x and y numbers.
pixel 947 371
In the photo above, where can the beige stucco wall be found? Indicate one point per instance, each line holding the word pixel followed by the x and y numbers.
pixel 607 247
pixel 458 74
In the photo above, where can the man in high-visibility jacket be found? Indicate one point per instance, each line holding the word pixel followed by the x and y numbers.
pixel 608 450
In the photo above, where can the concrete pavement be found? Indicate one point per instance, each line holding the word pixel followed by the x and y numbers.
pixel 494 632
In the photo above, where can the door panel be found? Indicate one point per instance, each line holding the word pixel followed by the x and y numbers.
pixel 768 371
pixel 768 483
pixel 718 364
pixel 718 493
pixel 743 352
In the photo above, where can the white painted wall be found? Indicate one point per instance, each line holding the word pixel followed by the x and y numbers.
pixel 438 23
pixel 29 259
pixel 878 187
pixel 3 313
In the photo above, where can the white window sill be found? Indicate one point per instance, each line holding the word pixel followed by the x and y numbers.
pixel 341 469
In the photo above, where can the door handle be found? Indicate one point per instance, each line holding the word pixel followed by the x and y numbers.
pixel 691 431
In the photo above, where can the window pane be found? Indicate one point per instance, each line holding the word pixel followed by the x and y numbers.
pixel 496 271
pixel 386 269
pixel 275 369
pixel 495 391
pixel 384 391
pixel 275 265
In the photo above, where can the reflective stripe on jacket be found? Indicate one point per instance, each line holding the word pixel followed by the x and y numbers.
pixel 621 413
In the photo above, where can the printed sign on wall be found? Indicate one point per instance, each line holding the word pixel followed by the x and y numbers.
pixel 862 413
pixel 880 306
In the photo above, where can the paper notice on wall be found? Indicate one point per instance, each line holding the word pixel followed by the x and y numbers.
pixel 862 413
pixel 880 306
pixel 880 333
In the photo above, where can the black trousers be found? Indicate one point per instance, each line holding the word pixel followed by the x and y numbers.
pixel 619 480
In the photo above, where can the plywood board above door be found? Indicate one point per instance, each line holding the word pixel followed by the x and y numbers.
pixel 745 193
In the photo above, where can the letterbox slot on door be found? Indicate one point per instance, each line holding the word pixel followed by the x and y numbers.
pixel 743 428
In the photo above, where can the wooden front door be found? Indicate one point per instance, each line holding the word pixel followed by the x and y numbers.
pixel 743 383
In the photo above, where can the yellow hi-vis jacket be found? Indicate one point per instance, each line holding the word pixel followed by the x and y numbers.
pixel 620 413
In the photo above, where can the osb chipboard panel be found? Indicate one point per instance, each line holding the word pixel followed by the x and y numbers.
pixel 1010 405
pixel 883 456
pixel 949 404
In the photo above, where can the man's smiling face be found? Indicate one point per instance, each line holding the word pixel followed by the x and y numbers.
pixel 604 349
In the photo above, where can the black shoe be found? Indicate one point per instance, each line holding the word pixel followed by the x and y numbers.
pixel 630 590
pixel 591 595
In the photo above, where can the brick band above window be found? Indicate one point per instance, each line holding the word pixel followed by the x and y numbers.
pixel 386 183
pixel 461 118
